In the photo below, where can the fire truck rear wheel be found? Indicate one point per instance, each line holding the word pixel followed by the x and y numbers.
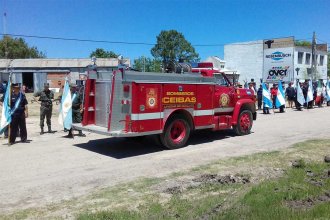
pixel 176 133
pixel 244 123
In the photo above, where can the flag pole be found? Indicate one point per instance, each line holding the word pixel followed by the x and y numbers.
pixel 9 103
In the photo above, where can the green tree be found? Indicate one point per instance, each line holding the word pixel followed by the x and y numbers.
pixel 302 43
pixel 147 64
pixel 172 46
pixel 101 53
pixel 17 48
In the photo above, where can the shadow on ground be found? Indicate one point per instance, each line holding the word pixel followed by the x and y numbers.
pixel 205 136
pixel 120 148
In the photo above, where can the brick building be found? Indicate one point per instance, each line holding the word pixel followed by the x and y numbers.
pixel 33 73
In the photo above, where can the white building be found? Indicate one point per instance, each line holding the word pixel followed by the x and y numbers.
pixel 303 61
pixel 219 64
pixel 246 58
pixel 275 59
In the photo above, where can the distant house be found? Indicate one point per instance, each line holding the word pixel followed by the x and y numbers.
pixel 220 65
pixel 33 73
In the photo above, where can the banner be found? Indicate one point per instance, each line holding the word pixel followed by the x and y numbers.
pixel 278 60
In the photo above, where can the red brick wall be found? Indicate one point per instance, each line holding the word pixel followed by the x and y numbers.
pixel 56 80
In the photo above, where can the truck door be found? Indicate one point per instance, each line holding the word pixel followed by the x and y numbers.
pixel 204 107
pixel 224 95
pixel 102 102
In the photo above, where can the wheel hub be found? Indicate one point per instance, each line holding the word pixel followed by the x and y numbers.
pixel 245 122
pixel 178 131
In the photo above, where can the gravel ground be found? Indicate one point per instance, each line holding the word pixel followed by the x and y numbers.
pixel 52 168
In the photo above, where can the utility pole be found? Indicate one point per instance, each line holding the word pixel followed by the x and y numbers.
pixel 5 35
pixel 314 61
pixel 144 65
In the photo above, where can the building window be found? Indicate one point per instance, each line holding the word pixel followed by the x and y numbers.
pixel 222 66
pixel 300 57
pixel 308 59
pixel 321 60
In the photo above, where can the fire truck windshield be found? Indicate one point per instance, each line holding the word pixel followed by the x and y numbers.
pixel 221 80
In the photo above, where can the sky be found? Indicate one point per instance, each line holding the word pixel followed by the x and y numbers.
pixel 208 22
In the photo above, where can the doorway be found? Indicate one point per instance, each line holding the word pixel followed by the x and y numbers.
pixel 27 79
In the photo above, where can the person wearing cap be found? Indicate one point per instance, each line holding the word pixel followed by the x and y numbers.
pixel 77 100
pixel 46 98
pixel 19 111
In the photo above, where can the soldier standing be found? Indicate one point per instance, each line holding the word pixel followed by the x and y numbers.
pixel 46 97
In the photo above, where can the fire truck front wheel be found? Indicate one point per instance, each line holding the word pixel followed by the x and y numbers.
pixel 176 133
pixel 244 123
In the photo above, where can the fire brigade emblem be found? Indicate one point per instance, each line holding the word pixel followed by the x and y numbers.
pixel 151 98
pixel 224 100
pixel 152 102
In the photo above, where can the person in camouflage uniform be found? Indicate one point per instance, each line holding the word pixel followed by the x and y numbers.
pixel 77 100
pixel 46 98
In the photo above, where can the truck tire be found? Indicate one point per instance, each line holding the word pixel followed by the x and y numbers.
pixel 244 123
pixel 176 133
pixel 328 103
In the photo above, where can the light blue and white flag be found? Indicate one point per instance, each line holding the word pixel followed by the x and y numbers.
pixel 310 91
pixel 280 100
pixel 6 111
pixel 266 97
pixel 328 91
pixel 65 113
pixel 246 86
pixel 300 95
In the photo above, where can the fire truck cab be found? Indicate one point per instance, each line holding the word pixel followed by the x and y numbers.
pixel 129 104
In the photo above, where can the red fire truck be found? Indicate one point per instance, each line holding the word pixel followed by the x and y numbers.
pixel 170 105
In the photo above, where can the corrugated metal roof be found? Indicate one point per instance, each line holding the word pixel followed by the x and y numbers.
pixel 59 63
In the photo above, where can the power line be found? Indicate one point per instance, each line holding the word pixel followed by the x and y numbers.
pixel 126 42
pixel 321 40
pixel 76 39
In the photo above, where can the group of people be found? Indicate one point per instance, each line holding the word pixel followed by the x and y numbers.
pixel 291 95
pixel 19 111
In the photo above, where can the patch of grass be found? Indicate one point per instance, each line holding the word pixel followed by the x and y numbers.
pixel 271 199
pixel 273 187
pixel 103 215
pixel 268 200
pixel 204 200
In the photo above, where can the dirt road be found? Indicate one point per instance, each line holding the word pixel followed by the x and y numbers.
pixel 52 168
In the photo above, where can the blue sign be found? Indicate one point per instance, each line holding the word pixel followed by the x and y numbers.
pixel 278 55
